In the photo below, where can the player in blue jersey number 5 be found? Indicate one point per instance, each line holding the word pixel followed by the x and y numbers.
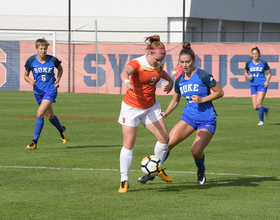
pixel 199 114
pixel 255 72
pixel 44 87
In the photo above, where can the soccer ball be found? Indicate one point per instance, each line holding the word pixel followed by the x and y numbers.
pixel 150 165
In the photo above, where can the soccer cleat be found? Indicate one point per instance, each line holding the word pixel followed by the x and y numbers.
pixel 31 146
pixel 201 178
pixel 261 123
pixel 123 187
pixel 63 135
pixel 164 176
pixel 144 179
pixel 266 114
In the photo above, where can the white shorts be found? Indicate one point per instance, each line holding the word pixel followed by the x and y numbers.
pixel 130 116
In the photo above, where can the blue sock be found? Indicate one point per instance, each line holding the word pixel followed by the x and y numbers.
pixel 200 164
pixel 265 109
pixel 166 156
pixel 261 112
pixel 56 123
pixel 38 128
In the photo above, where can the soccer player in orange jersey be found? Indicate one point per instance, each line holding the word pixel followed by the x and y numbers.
pixel 140 77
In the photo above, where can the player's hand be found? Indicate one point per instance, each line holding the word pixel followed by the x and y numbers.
pixel 128 86
pixel 56 84
pixel 250 77
pixel 33 82
pixel 265 84
pixel 168 88
pixel 164 114
pixel 196 99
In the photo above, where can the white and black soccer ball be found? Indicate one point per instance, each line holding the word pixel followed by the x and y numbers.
pixel 150 165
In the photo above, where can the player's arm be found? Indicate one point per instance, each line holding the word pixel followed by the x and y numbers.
pixel 172 105
pixel 170 84
pixel 28 79
pixel 59 75
pixel 127 71
pixel 268 77
pixel 217 93
pixel 246 74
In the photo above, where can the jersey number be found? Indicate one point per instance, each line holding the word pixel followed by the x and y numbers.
pixel 43 78
pixel 256 75
pixel 188 99
pixel 153 80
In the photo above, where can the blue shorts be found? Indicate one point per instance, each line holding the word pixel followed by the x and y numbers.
pixel 210 124
pixel 49 95
pixel 258 88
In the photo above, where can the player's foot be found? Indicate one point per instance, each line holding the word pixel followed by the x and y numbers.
pixel 261 123
pixel 32 146
pixel 266 114
pixel 123 187
pixel 201 178
pixel 164 176
pixel 144 179
pixel 63 135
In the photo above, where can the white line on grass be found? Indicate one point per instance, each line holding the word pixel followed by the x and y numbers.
pixel 91 169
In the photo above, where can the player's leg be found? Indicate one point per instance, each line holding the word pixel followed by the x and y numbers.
pixel 176 135
pixel 56 123
pixel 261 110
pixel 154 123
pixel 202 139
pixel 126 155
pixel 159 130
pixel 44 106
pixel 179 133
pixel 254 101
pixel 129 118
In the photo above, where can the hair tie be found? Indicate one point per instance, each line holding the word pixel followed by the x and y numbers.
pixel 158 51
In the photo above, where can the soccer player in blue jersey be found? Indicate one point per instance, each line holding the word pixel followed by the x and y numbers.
pixel 199 114
pixel 44 87
pixel 255 72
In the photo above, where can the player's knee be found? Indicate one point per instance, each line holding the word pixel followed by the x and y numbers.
pixel 50 117
pixel 196 152
pixel 40 114
pixel 164 140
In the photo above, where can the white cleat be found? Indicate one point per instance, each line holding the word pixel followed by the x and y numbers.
pixel 261 123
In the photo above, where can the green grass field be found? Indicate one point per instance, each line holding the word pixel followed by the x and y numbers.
pixel 80 180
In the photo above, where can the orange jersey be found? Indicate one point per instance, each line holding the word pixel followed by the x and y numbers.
pixel 177 71
pixel 144 80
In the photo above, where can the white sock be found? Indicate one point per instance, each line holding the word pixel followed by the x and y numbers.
pixel 160 151
pixel 126 157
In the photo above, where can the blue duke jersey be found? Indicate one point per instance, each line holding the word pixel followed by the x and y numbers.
pixel 257 71
pixel 43 73
pixel 199 84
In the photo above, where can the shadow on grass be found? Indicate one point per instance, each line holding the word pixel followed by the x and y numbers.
pixel 211 183
pixel 75 147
